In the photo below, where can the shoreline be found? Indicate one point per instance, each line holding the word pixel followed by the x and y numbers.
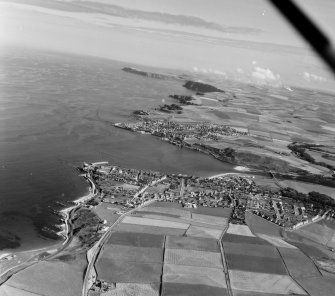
pixel 55 248
pixel 241 170
pixel 65 225
pixel 78 202
pixel 223 175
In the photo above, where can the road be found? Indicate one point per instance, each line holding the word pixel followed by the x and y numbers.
pixel 68 238
pixel 89 275
pixel 225 265
pixel 275 180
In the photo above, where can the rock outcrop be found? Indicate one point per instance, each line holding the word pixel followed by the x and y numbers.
pixel 201 87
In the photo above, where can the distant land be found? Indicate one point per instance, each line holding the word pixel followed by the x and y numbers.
pixel 162 76
pixel 192 85
pixel 201 87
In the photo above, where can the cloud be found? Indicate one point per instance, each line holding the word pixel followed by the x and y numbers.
pixel 239 70
pixel 313 77
pixel 103 7
pixel 209 71
pixel 184 20
pixel 218 72
pixel 265 76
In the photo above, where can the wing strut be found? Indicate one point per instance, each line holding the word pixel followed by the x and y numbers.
pixel 304 25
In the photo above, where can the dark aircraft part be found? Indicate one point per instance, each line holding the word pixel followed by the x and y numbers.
pixel 313 35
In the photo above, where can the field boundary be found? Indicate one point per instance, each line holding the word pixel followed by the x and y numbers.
pixel 224 262
pixel 289 274
pixel 162 274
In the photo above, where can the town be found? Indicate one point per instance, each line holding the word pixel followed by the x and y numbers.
pixel 178 132
pixel 130 188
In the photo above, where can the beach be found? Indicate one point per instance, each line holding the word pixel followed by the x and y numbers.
pixel 237 168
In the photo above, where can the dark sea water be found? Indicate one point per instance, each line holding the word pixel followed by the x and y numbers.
pixel 56 111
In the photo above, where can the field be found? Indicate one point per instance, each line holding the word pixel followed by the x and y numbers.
pixel 197 231
pixel 124 227
pixel 309 247
pixel 276 241
pixel 306 187
pixel 114 271
pixel 166 210
pixel 255 264
pixel 239 239
pixel 163 204
pixel 318 286
pixel 298 264
pixel 173 289
pixel 201 223
pixel 192 243
pixel 263 282
pixel 106 212
pixel 123 289
pixel 193 258
pixel 216 212
pixel 192 275
pixel 132 254
pixel 239 230
pixel 137 239
pixel 262 226
pixel 49 279
pixel 154 222
pixel 251 250
pixel 320 232
pixel 253 293
pixel 209 219
pixel 153 213
pixel 6 290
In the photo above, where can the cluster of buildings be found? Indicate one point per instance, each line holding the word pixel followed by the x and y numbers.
pixel 284 211
pixel 176 132
pixel 130 188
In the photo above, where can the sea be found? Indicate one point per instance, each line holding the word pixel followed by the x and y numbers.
pixel 56 112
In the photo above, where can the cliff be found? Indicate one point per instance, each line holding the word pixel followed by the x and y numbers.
pixel 201 87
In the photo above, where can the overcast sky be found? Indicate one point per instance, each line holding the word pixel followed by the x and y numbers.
pixel 241 39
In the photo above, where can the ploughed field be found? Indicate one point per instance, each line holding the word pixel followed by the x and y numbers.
pixel 163 249
pixel 263 264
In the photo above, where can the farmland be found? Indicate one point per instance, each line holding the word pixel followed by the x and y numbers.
pixel 267 265
pixel 307 187
pixel 48 278
pixel 176 255
pixel 190 253
pixel 258 126
pixel 184 235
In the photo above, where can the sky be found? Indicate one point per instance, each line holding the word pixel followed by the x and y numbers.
pixel 236 39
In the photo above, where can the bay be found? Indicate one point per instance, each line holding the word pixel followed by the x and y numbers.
pixel 57 111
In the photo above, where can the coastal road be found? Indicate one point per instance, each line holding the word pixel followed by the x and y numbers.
pixel 68 238
pixel 90 272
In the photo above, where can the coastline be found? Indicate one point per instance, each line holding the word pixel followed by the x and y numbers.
pixel 241 169
pixel 22 258
pixel 78 202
